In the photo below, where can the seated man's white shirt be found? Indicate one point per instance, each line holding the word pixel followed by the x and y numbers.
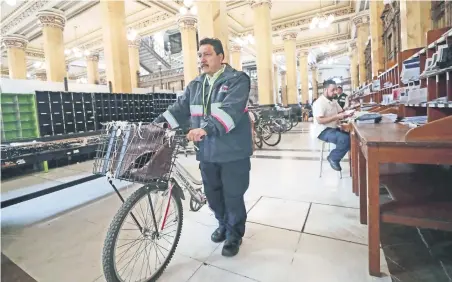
pixel 325 108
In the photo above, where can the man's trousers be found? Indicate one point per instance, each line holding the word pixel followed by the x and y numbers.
pixel 225 185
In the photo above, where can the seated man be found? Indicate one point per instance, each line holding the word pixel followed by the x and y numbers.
pixel 327 114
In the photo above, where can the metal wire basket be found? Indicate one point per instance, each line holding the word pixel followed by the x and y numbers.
pixel 135 152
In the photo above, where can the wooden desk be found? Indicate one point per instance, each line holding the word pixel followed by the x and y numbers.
pixel 375 144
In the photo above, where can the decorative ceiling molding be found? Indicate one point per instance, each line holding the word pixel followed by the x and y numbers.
pixel 32 8
pixel 160 5
pixel 332 54
pixel 34 53
pixel 150 21
pixel 301 22
pixel 315 42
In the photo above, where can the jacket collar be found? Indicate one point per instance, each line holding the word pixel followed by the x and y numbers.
pixel 227 74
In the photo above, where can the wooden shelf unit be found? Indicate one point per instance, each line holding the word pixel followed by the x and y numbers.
pixel 439 83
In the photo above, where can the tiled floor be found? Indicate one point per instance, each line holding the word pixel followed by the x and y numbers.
pixel 300 227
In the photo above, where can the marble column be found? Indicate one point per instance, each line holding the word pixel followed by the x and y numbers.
pixel 361 21
pixel 263 39
pixel 290 45
pixel 17 63
pixel 187 26
pixel 376 32
pixel 213 22
pixel 415 21
pixel 236 56
pixel 284 97
pixel 315 89
pixel 116 52
pixel 92 69
pixel 448 12
pixel 304 79
pixel 353 65
pixel 52 22
pixel 134 61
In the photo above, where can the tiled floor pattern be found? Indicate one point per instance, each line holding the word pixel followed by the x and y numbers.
pixel 300 228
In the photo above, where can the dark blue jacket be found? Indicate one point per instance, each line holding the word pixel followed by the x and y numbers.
pixel 226 122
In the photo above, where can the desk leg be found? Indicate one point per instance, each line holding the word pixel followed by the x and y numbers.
pixel 373 183
pixel 354 162
pixel 362 186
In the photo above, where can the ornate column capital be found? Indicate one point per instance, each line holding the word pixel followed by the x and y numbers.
pixel 235 48
pixel 41 74
pixel 135 43
pixel 187 22
pixel 52 18
pixel 361 18
pixel 93 57
pixel 289 35
pixel 352 45
pixel 283 72
pixel 15 41
pixel 313 67
pixel 303 53
pixel 257 3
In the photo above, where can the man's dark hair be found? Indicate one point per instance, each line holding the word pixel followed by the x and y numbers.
pixel 216 44
pixel 328 82
pixel 339 87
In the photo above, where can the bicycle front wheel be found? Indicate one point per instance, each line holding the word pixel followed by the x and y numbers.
pixel 137 247
pixel 270 137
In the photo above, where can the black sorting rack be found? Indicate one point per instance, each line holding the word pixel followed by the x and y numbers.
pixel 61 113
pixel 161 102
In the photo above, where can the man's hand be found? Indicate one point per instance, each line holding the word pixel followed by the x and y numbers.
pixel 196 134
pixel 342 115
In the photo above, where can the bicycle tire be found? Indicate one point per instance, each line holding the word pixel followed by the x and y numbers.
pixel 194 206
pixel 278 139
pixel 108 260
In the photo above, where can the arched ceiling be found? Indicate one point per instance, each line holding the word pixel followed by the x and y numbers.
pixel 150 16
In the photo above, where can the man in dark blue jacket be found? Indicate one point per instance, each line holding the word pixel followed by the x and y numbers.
pixel 215 102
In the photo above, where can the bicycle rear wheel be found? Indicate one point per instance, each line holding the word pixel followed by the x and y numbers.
pixel 129 247
pixel 270 137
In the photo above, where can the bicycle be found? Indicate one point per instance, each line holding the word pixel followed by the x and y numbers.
pixel 144 153
pixel 264 131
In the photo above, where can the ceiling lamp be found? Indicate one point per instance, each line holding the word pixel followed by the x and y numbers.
pixel 245 40
pixel 131 34
pixel 11 2
pixel 76 52
pixel 321 21
pixel 188 8
pixel 328 48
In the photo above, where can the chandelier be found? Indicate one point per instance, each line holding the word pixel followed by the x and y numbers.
pixel 188 8
pixel 245 40
pixel 11 2
pixel 132 34
pixel 328 48
pixel 321 21
pixel 77 52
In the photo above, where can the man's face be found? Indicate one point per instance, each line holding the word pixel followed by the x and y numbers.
pixel 331 90
pixel 209 61
pixel 339 91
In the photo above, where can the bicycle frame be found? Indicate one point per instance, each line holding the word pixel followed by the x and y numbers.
pixel 187 182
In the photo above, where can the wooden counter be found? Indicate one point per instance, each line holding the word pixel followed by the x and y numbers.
pixel 375 144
